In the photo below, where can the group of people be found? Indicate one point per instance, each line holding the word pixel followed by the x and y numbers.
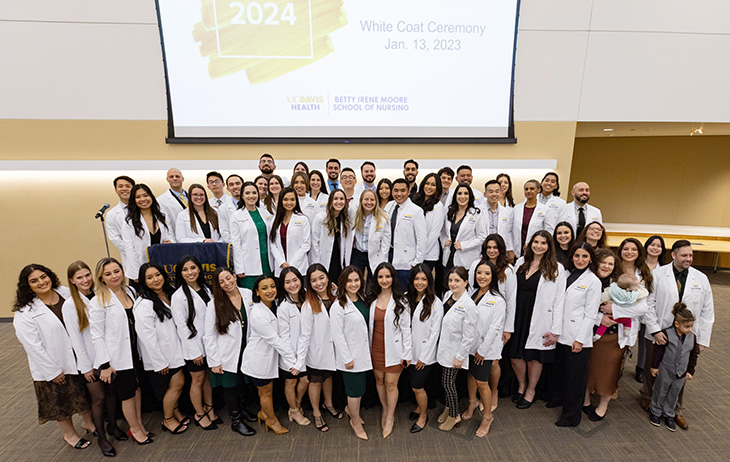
pixel 334 277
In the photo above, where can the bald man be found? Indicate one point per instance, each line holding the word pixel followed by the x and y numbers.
pixel 174 200
pixel 579 213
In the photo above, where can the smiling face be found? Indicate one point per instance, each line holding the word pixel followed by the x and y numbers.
pixel 581 259
pixel 353 284
pixel 462 196
pixel 300 186
pixel 384 191
pixel 400 192
pixel 483 276
pixel 266 290
pixel 348 179
pixel 154 279
pixel 339 201
pixel 492 250
pixel 503 184
pixel 563 234
pixel 581 193
pixel 606 266
pixel 493 193
pixel 539 245
pixel 274 186
pixel 142 199
pixel 318 281
pixel 227 281
pixel 531 190
pixel 262 184
pixel 654 249
pixel 333 171
pixel 267 165
pixel 368 173
pixel 446 181
pixel 289 201
pixel 464 176
pixel 549 183
pixel 234 186
pixel 429 186
pixel 40 283
pixel 315 183
pixel 385 279
pixel 112 275
pixel 629 252
pixel 83 281
pixel 197 197
pixel 368 201
pixel 420 282
pixel 456 285
pixel 683 257
pixel 190 272
pixel 122 189
pixel 410 172
pixel 250 196
pixel 292 284
pixel 594 231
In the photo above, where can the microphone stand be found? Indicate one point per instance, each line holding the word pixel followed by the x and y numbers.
pixel 106 241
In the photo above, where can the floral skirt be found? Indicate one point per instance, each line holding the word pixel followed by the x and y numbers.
pixel 61 401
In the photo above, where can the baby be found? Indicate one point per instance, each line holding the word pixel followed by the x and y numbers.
pixel 625 291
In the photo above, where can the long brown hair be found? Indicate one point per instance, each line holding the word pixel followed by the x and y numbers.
pixel 225 312
pixel 342 284
pixel 548 265
pixel 210 214
pixel 331 220
pixel 71 271
pixel 502 262
pixel 639 263
pixel 429 295
pixel 312 297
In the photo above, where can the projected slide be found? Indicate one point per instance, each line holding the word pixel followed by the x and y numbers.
pixel 339 69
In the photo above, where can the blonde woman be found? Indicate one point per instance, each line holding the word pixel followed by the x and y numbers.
pixel 371 229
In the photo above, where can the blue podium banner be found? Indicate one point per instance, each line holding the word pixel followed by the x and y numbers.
pixel 211 255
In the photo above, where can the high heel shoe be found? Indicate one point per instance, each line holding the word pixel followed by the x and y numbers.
pixel 301 420
pixel 347 411
pixel 488 420
pixel 272 424
pixel 320 424
pixel 185 420
pixel 218 420
pixel 415 428
pixel 450 423
pixel 361 434
pixel 470 408
pixel 332 411
pixel 107 449
pixel 517 397
pixel 388 427
pixel 147 441
pixel 181 427
pixel 211 426
pixel 443 416
pixel 117 433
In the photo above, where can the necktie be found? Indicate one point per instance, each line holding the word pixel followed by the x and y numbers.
pixel 393 219
pixel 184 200
pixel 218 203
pixel 581 220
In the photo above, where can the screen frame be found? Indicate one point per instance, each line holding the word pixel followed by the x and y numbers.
pixel 172 139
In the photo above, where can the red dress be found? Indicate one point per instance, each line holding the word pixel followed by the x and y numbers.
pixel 378 348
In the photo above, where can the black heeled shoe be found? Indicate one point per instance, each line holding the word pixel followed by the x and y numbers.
pixel 211 426
pixel 333 412
pixel 180 429
pixel 147 441
pixel 639 374
pixel 524 404
pixel 218 420
pixel 588 409
pixel 109 451
pixel 185 420
pixel 517 397
pixel 413 415
pixel 415 428
pixel 593 417
pixel 116 432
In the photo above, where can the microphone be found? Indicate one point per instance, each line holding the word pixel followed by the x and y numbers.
pixel 101 211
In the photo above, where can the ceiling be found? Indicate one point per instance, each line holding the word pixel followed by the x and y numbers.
pixel 629 129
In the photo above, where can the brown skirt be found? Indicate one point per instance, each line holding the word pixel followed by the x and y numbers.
pixel 606 365
pixel 61 401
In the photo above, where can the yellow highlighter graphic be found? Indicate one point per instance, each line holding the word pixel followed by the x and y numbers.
pixel 267 39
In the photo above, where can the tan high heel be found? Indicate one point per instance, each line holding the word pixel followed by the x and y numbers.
pixel 361 434
pixel 470 408
pixel 272 424
pixel 444 415
pixel 301 420
pixel 450 423
pixel 485 420
pixel 388 427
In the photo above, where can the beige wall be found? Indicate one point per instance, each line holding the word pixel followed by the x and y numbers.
pixel 48 216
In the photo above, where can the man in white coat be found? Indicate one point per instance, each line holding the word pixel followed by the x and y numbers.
pixel 116 216
pixel 216 186
pixel 578 213
pixel 677 282
pixel 174 200
pixel 408 232
pixel 497 216
pixel 465 175
pixel 367 172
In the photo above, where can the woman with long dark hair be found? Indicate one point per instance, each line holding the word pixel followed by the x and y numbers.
pixel 226 330
pixel 188 310
pixel 145 225
pixel 159 344
pixel 563 239
pixel 300 185
pixel 550 198
pixel 76 319
pixel 528 217
pixel 332 235
pixel 426 312
pixel 263 349
pixel 464 229
pixel 271 200
pixel 538 316
pixel 39 326
pixel 428 198
pixel 656 252
pixel 250 228
pixel 318 190
pixel 505 187
pixel 199 222
pixel 291 299
pixel 385 192
pixel 290 234
pixel 390 338
pixel 349 324
pixel 315 343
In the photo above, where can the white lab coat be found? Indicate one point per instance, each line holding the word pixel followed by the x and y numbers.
pixel 582 300
pixel 553 206
pixel 425 334
pixel 184 233
pixel 45 340
pixel 323 242
pixel 290 329
pixel 508 289
pixel 110 335
pixel 135 248
pixel 309 207
pixel 697 296
pixel 316 347
pixel 434 226
pixel 547 314
pixel 264 346
pixel 225 349
pixel 378 239
pixel 192 347
pixel 170 207
pixel 114 223
pixel 568 213
pixel 471 235
pixel 397 339
pixel 158 343
pixel 409 237
pixel 80 341
pixel 245 240
pixel 298 242
pixel 458 330
pixel 350 334
pixel 321 201
pixel 489 326
pixel 537 223
pixel 505 225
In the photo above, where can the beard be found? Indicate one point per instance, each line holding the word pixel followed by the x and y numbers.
pixel 266 170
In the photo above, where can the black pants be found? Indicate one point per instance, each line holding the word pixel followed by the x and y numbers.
pixel 574 380
pixel 360 259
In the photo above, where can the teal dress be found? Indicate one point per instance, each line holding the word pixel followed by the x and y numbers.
pixel 247 281
pixel 231 379
pixel 355 382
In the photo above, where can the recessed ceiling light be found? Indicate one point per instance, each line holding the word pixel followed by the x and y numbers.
pixel 608 129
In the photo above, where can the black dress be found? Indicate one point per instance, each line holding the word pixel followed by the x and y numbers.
pixel 526 295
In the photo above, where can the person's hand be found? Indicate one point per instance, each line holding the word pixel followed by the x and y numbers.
pixel 167 241
pixel 577 347
pixel 478 359
pixel 60 379
pixel 89 376
pixel 350 365
pixel 701 348
pixel 198 361
pixel 164 371
pixel 550 339
pixel 241 275
pixel 660 338
pixel 420 365
pixel 689 376
pixel 405 362
pixel 606 321
pixel 217 369
pixel 510 256
pixel 505 337
pixel 457 364
pixel 106 375
pixel 284 265
pixel 293 371
pixel 607 308
pixel 457 245
pixel 447 242
pixel 654 372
